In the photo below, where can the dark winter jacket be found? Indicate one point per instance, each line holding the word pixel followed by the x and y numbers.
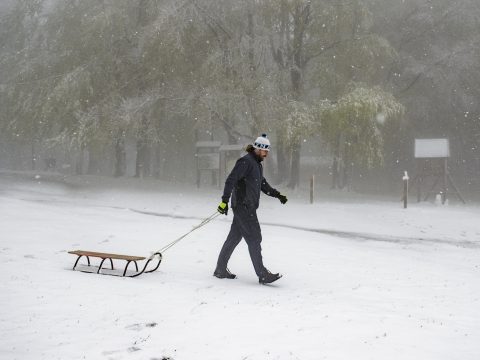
pixel 246 180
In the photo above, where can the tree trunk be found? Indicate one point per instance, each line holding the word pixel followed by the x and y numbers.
pixel 295 167
pixel 94 154
pixel 301 21
pixel 142 164
pixel 249 91
pixel 334 172
pixel 339 174
pixel 79 164
pixel 282 161
pixel 140 158
pixel 158 117
pixel 33 157
pixel 159 162
pixel 120 156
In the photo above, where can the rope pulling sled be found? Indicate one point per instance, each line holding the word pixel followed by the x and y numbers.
pixel 134 259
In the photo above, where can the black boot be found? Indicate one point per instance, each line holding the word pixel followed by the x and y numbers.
pixel 224 274
pixel 267 277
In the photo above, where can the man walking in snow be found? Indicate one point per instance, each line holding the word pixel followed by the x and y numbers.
pixel 246 181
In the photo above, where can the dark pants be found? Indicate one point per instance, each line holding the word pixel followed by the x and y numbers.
pixel 245 224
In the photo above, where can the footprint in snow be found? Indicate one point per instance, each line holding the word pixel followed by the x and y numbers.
pixel 29 256
pixel 138 327
pixel 108 353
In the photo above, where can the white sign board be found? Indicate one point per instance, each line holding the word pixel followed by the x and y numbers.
pixel 432 148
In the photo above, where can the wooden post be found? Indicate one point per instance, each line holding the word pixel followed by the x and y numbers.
pixel 405 190
pixel 312 188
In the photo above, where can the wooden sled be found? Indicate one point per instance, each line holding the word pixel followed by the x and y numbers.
pixel 104 256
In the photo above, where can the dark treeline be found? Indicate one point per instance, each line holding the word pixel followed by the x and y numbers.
pixel 359 80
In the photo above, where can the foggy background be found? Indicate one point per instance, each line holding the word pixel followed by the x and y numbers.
pixel 127 87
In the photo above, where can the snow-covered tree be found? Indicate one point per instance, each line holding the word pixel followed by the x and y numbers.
pixel 355 126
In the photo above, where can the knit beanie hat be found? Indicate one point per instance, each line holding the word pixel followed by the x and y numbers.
pixel 262 143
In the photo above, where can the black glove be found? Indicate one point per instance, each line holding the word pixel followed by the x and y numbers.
pixel 283 199
pixel 223 208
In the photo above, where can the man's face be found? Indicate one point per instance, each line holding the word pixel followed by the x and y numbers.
pixel 262 154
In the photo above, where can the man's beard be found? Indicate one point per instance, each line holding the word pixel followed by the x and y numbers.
pixel 259 157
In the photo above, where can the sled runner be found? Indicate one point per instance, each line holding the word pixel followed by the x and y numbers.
pixel 104 256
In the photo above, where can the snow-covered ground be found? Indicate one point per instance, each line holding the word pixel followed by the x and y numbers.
pixel 365 280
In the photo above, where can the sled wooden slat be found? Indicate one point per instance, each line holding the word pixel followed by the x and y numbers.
pixel 107 255
pixel 104 256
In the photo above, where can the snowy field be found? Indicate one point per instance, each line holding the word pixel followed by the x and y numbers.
pixel 361 280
